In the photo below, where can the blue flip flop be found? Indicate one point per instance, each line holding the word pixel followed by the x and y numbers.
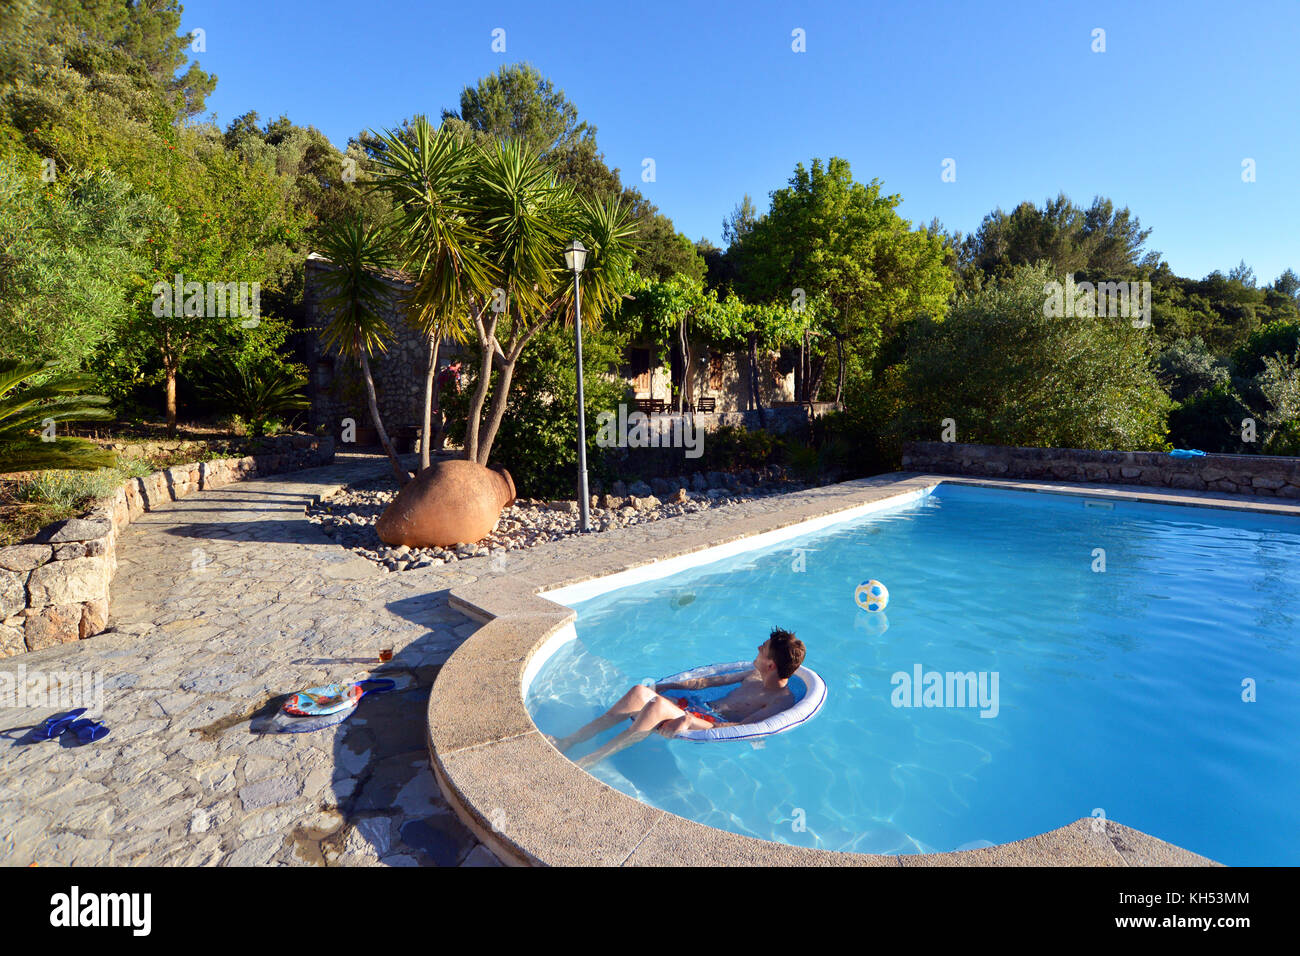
pixel 56 725
pixel 88 730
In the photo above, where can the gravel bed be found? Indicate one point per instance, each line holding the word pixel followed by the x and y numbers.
pixel 349 516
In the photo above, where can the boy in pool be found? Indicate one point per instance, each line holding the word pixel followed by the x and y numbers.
pixel 762 693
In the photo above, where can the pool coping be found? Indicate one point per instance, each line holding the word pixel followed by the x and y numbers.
pixel 532 806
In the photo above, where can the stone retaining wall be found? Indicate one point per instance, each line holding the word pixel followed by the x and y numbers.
pixel 1273 477
pixel 55 588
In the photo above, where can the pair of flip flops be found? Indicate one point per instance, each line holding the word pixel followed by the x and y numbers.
pixel 87 730
pixel 324 706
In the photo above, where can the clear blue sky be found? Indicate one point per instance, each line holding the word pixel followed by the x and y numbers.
pixel 1160 121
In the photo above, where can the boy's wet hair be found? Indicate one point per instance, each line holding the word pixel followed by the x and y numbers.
pixel 786 650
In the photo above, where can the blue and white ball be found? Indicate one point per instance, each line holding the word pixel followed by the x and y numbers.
pixel 871 595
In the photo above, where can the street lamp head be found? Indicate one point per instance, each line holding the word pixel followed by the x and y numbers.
pixel 575 256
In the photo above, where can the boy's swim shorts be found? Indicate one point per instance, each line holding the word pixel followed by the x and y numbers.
pixel 701 709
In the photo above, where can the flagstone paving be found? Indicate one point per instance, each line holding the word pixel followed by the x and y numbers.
pixel 223 602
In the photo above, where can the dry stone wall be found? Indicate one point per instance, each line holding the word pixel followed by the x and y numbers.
pixel 1268 476
pixel 55 588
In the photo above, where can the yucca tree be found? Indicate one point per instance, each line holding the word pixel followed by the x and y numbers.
pixel 356 295
pixel 25 413
pixel 527 218
pixel 426 172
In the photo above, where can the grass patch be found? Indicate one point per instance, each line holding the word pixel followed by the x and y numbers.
pixel 30 503
pixel 185 456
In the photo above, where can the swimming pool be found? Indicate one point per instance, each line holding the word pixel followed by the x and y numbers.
pixel 1119 633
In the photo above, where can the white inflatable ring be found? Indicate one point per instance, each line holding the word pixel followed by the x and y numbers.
pixel 803 710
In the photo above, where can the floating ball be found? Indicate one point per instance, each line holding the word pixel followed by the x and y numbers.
pixel 871 595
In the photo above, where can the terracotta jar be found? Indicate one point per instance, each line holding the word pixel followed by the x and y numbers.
pixel 450 502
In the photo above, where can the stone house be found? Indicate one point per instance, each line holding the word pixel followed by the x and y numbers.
pixel 652 370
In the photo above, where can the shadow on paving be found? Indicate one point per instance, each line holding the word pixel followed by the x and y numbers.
pixel 288 531
pixel 386 795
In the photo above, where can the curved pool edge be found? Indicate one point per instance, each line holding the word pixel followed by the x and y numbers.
pixel 532 806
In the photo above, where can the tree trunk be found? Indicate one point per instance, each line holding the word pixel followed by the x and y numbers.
pixel 816 371
pixel 431 372
pixel 805 366
pixel 839 383
pixel 798 374
pixel 499 400
pixel 755 395
pixel 171 397
pixel 687 390
pixel 398 470
pixel 476 401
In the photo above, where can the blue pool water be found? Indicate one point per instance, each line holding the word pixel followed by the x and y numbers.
pixel 1119 692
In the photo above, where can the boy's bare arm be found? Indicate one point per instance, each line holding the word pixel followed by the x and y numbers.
pixel 699 683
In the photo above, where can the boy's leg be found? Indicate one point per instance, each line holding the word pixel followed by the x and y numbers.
pixel 651 716
pixel 631 704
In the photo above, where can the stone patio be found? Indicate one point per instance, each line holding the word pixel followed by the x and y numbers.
pixel 223 602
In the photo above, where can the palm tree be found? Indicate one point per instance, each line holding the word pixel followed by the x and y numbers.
pixel 59 399
pixel 527 218
pixel 356 295
pixel 425 171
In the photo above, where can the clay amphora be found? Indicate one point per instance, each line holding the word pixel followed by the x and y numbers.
pixel 450 502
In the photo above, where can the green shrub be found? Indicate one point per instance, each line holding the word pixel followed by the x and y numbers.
pixel 1211 421
pixel 1283 440
pixel 1273 338
pixel 26 410
pixel 1189 368
pixel 1008 373
pixel 849 442
pixel 733 448
pixel 803 460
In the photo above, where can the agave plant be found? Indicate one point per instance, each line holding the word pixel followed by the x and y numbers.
pixel 258 393
pixel 28 414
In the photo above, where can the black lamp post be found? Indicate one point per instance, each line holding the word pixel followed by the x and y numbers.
pixel 575 257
